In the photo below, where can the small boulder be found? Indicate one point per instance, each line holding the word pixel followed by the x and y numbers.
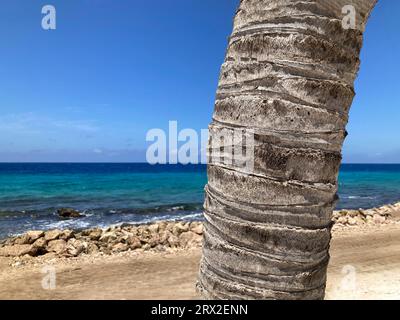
pixel 92 248
pixel 57 246
pixel 40 244
pixel 352 221
pixel 146 247
pixel 162 226
pixel 29 237
pixel 354 213
pixel 342 220
pixel 95 234
pixel 24 239
pixel 343 213
pixel 34 235
pixel 53 234
pixel 67 234
pixel 160 248
pixel 369 213
pixel 154 240
pixel 18 250
pixel 76 247
pixel 108 236
pixel 173 241
pixel 198 229
pixel 190 239
pixel 153 228
pixel 378 219
pixel 179 228
pixel 120 247
pixel 69 213
pixel 164 235
pixel 134 243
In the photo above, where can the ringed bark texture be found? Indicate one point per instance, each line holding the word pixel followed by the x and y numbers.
pixel 288 76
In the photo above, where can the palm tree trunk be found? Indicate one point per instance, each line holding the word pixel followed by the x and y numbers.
pixel 288 77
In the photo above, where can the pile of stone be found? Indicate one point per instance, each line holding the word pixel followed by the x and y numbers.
pixel 155 237
pixel 68 243
pixel 380 215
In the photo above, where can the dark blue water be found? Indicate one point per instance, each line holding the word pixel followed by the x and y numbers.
pixel 132 193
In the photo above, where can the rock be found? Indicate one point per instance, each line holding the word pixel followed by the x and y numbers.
pixel 92 248
pixel 342 213
pixel 50 256
pixel 378 219
pixel 143 232
pixel 352 221
pixel 107 236
pixel 146 247
pixel 173 241
pixel 52 234
pixel 24 239
pixel 67 234
pixel 198 229
pixel 160 248
pixel 34 235
pixel 134 243
pixel 57 246
pixel 359 220
pixel 40 244
pixel 190 239
pixel 128 233
pixel 120 247
pixel 163 237
pixel 342 220
pixel 29 237
pixel 170 226
pixel 86 232
pixel 105 250
pixel 69 213
pixel 180 227
pixel 353 213
pixel 369 213
pixel 155 240
pixel 16 264
pixel 18 250
pixel 162 226
pixel 76 247
pixel 95 234
pixel 153 228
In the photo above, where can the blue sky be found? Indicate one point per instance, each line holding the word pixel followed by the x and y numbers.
pixel 112 70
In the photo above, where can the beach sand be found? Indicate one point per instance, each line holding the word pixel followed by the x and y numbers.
pixel 365 264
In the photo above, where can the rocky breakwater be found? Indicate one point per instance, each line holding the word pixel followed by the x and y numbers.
pixel 382 215
pixel 69 243
pixel 152 237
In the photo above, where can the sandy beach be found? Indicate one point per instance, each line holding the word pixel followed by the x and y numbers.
pixel 365 264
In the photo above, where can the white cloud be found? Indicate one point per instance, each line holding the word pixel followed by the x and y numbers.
pixel 31 123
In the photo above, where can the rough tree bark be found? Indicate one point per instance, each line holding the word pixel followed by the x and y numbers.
pixel 288 75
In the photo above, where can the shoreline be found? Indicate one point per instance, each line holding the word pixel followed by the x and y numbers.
pixel 164 263
pixel 156 237
pixel 109 194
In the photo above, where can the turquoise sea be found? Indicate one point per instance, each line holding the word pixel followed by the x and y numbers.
pixel 30 193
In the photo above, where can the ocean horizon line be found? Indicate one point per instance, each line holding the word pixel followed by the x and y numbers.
pixel 163 164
